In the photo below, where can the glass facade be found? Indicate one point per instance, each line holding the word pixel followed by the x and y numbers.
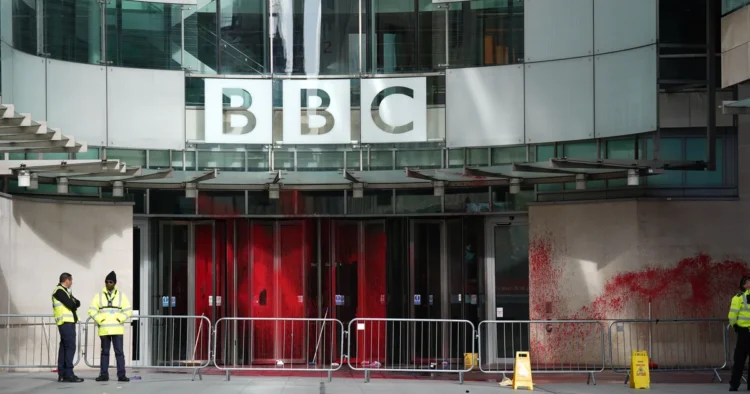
pixel 280 37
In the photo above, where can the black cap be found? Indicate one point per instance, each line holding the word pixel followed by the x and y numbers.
pixel 111 276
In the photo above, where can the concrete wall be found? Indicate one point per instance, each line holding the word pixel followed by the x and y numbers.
pixel 615 260
pixel 41 239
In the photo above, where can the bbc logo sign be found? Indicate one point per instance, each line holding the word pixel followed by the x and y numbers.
pixel 316 111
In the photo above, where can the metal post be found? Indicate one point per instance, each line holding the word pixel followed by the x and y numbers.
pixel 711 85
pixel 182 37
pixel 103 30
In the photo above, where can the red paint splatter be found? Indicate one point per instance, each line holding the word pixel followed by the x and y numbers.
pixel 695 288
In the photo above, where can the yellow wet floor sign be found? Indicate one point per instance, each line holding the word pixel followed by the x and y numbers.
pixel 522 371
pixel 639 374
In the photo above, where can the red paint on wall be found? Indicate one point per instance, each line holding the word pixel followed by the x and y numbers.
pixel 695 287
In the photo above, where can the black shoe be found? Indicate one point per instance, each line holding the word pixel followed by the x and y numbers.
pixel 733 389
pixel 102 378
pixel 73 379
pixel 123 379
pixel 60 378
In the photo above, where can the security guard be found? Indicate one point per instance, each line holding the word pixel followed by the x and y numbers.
pixel 110 309
pixel 739 318
pixel 64 308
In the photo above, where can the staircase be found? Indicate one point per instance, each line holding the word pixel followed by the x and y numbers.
pixel 20 134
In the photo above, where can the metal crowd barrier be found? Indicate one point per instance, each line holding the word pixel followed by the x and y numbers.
pixel 156 342
pixel 410 345
pixel 31 341
pixel 555 346
pixel 672 344
pixel 278 344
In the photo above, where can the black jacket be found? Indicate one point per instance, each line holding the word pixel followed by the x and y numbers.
pixel 70 302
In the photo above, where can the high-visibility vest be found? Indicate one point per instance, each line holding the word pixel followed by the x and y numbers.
pixel 59 310
pixel 110 312
pixel 739 312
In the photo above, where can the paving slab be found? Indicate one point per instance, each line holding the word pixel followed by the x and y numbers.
pixel 157 383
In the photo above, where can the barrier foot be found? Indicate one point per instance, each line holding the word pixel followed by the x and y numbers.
pixel 228 375
pixel 460 378
pixel 367 376
pixel 627 378
pixel 330 376
pixel 322 388
pixel 716 376
pixel 591 378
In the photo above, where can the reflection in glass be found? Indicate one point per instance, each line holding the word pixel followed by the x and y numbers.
pixel 243 41
pixel 144 35
pixel 314 37
pixel 511 252
pixel 200 53
pixel 72 30
pixel 24 26
pixel 486 33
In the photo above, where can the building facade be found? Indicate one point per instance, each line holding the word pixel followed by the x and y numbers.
pixel 479 160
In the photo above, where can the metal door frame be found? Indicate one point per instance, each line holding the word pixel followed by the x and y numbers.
pixel 191 267
pixel 144 350
pixel 491 313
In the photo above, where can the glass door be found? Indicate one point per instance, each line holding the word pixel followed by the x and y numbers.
pixel 186 252
pixel 429 284
pixel 507 242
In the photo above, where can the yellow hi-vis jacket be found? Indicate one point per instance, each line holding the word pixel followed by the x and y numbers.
pixel 110 311
pixel 59 310
pixel 739 312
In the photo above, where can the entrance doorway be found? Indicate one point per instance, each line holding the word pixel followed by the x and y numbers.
pixel 507 243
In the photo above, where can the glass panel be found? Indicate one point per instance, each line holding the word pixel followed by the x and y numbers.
pixel 352 160
pixel 580 150
pixel 195 91
pixel 432 34
pixel 456 158
pixel 418 158
pixel 320 161
pixel 315 37
pixel 478 156
pixel 283 160
pixel 258 203
pixel 417 201
pixel 221 203
pixel 426 248
pixel 73 30
pixel 511 252
pixel 695 149
pixel 486 33
pixel 159 159
pixel 393 41
pixel 321 202
pixel 24 26
pixel 199 54
pixel 91 154
pixel 471 200
pixel 131 157
pixel 144 35
pixel 55 156
pixel 381 160
pixel 728 6
pixel 373 202
pixel 669 149
pixel 509 155
pixel 544 153
pixel 228 161
pixel 257 161
pixel 177 161
pixel 620 149
pixel 503 201
pixel 170 202
pixel 244 41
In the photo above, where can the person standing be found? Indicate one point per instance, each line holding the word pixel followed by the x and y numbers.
pixel 739 319
pixel 64 309
pixel 110 309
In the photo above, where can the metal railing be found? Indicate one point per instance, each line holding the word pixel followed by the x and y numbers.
pixel 156 342
pixel 31 341
pixel 410 345
pixel 555 346
pixel 672 344
pixel 278 344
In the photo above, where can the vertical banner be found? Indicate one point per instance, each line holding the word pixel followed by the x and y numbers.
pixel 397 110
pixel 317 112
pixel 249 117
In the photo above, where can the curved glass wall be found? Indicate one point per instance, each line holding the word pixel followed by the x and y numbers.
pixel 280 37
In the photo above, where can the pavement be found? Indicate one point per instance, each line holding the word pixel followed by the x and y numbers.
pixel 167 383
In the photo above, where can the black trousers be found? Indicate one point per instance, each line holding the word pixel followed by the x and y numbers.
pixel 114 341
pixel 67 350
pixel 741 352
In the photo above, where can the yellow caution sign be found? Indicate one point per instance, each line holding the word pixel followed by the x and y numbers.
pixel 471 360
pixel 522 371
pixel 639 374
